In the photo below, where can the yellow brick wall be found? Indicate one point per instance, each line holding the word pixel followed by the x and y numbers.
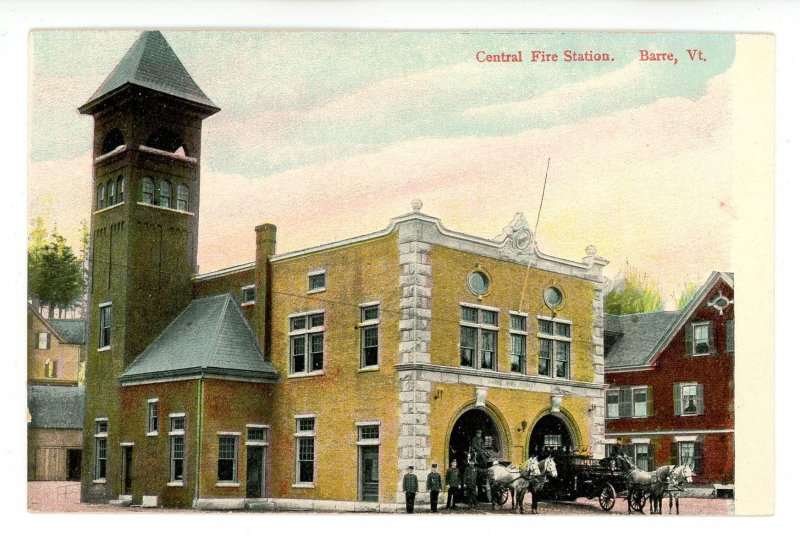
pixel 358 273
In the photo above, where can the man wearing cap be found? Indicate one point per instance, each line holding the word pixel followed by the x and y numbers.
pixel 410 487
pixel 434 485
pixel 453 480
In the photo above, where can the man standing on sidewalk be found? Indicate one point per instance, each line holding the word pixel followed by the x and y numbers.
pixel 434 485
pixel 453 480
pixel 471 485
pixel 410 487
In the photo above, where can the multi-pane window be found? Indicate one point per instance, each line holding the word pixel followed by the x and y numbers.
pixel 305 437
pixel 164 194
pixel 478 338
pixel 519 340
pixel 152 416
pixel 176 447
pixel 639 402
pixel 100 449
pixel 120 189
pixel 306 339
pixel 257 434
pixel 316 281
pixel 612 403
pixel 641 454
pixel 227 460
pixel 370 317
pixel 629 402
pixel 555 340
pixel 369 433
pixel 182 197
pixel 700 338
pixel 42 341
pixel 105 325
pixel 688 398
pixel 248 293
pixel 148 191
pixel 101 196
pixel 552 441
pixel 688 454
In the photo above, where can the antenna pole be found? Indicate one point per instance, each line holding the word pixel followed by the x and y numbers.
pixel 535 228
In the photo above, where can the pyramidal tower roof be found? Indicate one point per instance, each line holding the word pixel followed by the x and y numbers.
pixel 151 63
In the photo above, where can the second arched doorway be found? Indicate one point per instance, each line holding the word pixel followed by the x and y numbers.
pixel 551 434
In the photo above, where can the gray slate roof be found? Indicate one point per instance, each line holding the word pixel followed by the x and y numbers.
pixel 56 407
pixel 210 336
pixel 640 333
pixel 151 63
pixel 71 331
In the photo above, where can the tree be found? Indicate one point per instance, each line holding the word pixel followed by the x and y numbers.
pixel 633 292
pixel 55 274
pixel 687 295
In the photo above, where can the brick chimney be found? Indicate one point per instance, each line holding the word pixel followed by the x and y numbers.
pixel 265 248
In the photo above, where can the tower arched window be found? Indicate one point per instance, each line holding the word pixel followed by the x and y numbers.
pixel 120 189
pixel 112 192
pixel 182 197
pixel 148 191
pixel 165 194
pixel 101 196
pixel 113 140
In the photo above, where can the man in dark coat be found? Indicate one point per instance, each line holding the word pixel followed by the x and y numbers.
pixel 453 480
pixel 471 484
pixel 434 485
pixel 410 487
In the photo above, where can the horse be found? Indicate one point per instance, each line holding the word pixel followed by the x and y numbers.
pixel 680 475
pixel 533 482
pixel 651 484
pixel 501 477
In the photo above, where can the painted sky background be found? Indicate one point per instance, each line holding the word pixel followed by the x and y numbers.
pixel 329 135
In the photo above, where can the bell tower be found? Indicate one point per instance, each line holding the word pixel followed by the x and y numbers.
pixel 148 117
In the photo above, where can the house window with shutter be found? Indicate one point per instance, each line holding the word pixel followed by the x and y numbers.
pixel 629 402
pixel 640 402
pixel 42 341
pixel 689 454
pixel 612 403
pixel 729 340
pixel 640 453
pixel 700 339
pixel 688 398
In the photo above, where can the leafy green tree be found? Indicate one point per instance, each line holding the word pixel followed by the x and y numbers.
pixel 55 274
pixel 686 295
pixel 633 292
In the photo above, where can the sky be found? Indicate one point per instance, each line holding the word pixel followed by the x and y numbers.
pixel 329 135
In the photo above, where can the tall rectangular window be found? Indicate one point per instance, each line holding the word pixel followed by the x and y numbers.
pixel 729 336
pixel 306 343
pixel 105 325
pixel 101 196
pixel 640 402
pixel 689 454
pixel 478 334
pixel 700 332
pixel 120 189
pixel 42 341
pixel 182 197
pixel 164 194
pixel 112 192
pixel 519 341
pixel 227 460
pixel 370 318
pixel 152 416
pixel 305 435
pixel 555 341
pixel 176 447
pixel 100 449
pixel 148 191
pixel 688 398
pixel 612 403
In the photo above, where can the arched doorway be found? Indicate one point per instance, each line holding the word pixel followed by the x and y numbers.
pixel 465 429
pixel 550 434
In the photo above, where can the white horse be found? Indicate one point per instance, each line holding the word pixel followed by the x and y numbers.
pixel 501 477
pixel 680 475
pixel 534 482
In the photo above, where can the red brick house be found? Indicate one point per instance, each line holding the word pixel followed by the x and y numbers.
pixel 670 384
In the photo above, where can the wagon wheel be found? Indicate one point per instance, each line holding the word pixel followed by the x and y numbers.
pixel 637 498
pixel 607 497
pixel 500 495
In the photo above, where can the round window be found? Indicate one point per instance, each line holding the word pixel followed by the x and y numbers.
pixel 553 297
pixel 478 283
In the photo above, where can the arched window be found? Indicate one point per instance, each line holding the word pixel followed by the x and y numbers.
pixel 51 368
pixel 120 189
pixel 101 196
pixel 165 194
pixel 148 191
pixel 112 141
pixel 182 197
pixel 112 191
pixel 167 141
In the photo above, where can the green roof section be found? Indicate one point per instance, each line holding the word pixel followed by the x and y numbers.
pixel 71 331
pixel 638 335
pixel 210 337
pixel 151 63
pixel 55 407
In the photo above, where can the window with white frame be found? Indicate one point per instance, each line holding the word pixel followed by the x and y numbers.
pixel 227 459
pixel 305 436
pixel 105 325
pixel 688 397
pixel 479 337
pixel 369 433
pixel 256 435
pixel 370 318
pixel 519 341
pixel 42 341
pixel 316 281
pixel 112 192
pixel 612 403
pixel 306 342
pixel 640 454
pixel 700 338
pixel 555 341
pixel 100 449
pixel 640 402
pixel 248 294
pixel 688 454
pixel 120 189
pixel 152 416
pixel 177 424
